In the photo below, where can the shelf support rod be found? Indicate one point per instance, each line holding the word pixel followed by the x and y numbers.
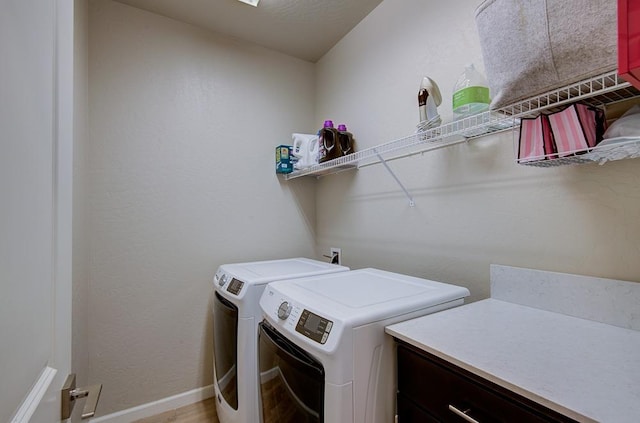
pixel 411 202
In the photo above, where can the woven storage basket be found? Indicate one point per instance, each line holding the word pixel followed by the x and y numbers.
pixel 533 46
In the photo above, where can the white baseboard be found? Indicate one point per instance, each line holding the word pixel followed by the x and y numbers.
pixel 156 407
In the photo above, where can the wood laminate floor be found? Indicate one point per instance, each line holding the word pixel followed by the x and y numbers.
pixel 200 412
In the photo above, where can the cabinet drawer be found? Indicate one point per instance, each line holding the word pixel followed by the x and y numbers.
pixel 436 386
pixel 408 412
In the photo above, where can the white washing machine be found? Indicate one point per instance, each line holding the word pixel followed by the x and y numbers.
pixel 236 314
pixel 323 352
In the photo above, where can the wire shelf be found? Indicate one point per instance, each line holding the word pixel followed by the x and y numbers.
pixel 439 137
pixel 597 91
pixel 608 150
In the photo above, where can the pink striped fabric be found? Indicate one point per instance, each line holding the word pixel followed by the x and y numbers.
pixel 568 132
pixel 587 118
pixel 549 141
pixel 531 145
pixel 536 140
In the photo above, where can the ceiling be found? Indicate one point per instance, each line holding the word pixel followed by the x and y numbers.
pixel 306 29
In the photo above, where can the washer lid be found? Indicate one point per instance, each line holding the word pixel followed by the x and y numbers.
pixel 365 288
pixel 260 272
pixel 367 295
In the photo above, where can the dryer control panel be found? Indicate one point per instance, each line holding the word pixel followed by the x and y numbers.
pixel 235 286
pixel 313 326
pixel 301 322
pixel 227 283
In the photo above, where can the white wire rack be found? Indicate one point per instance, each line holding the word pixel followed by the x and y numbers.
pixel 431 139
pixel 607 150
pixel 597 91
pixel 421 142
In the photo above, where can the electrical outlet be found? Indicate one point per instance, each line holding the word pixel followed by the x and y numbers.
pixel 336 255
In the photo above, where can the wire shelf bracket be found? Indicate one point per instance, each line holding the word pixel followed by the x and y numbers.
pixel 386 165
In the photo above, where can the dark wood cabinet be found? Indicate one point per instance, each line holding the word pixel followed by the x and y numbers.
pixel 433 390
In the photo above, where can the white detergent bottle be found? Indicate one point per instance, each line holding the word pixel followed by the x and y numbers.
pixel 470 94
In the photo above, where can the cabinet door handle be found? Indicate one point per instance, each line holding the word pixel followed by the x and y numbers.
pixel 462 414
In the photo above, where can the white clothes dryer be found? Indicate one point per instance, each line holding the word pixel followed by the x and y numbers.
pixel 236 314
pixel 323 353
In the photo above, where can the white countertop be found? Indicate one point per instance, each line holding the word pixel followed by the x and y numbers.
pixel 587 370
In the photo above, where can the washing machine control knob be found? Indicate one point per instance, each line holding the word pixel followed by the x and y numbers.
pixel 223 280
pixel 284 310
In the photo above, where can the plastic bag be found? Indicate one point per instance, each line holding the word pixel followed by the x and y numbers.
pixel 628 125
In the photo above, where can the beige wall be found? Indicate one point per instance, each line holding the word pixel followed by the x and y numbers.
pixel 180 179
pixel 474 205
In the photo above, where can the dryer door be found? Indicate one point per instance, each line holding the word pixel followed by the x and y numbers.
pixel 225 348
pixel 291 380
